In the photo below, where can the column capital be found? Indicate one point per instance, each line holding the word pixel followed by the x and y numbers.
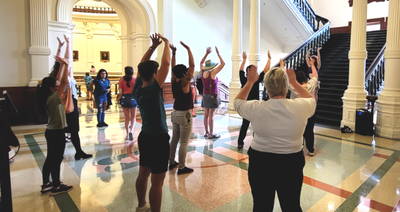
pixel 392 54
pixel 237 57
pixel 39 50
pixel 357 54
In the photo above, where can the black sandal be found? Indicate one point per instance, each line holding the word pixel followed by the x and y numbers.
pixel 214 136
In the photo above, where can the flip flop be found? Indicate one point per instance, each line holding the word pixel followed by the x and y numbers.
pixel 214 136
pixel 206 135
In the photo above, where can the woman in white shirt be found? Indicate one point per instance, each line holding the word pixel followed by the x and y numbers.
pixel 276 157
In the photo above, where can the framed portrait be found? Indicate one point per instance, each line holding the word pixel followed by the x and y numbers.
pixel 75 55
pixel 104 56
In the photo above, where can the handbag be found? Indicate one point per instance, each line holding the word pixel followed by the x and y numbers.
pixel 215 100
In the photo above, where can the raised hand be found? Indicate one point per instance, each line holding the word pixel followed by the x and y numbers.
pixel 66 38
pixel 184 45
pixel 208 50
pixel 59 42
pixel 282 63
pixel 61 60
pixel 216 49
pixel 244 55
pixel 319 48
pixel 172 47
pixel 162 38
pixel 252 75
pixel 155 39
pixel 291 75
pixel 269 55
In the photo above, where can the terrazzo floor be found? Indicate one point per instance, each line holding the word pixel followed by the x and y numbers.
pixel 349 172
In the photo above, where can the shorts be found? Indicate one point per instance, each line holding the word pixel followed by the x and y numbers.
pixel 154 151
pixel 210 101
pixel 127 101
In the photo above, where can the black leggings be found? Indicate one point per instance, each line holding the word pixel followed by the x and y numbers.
pixel 73 127
pixel 309 133
pixel 55 153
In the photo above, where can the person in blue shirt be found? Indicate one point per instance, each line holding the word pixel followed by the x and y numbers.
pixel 102 85
pixel 153 140
pixel 88 80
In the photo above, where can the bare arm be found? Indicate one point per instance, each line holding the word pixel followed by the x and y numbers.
pixel 173 61
pixel 208 51
pixel 252 77
pixel 189 75
pixel 165 62
pixel 60 44
pixel 303 93
pixel 67 56
pixel 219 68
pixel 282 63
pixel 319 58
pixel 119 94
pixel 64 79
pixel 268 65
pixel 308 58
pixel 314 71
pixel 244 55
pixel 155 42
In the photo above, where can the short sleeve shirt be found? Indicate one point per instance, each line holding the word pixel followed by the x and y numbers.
pixel 55 112
pixel 124 87
pixel 151 107
pixel 101 86
pixel 312 85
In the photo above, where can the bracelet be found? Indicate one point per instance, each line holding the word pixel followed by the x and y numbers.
pixel 173 53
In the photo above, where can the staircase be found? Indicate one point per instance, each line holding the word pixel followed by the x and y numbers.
pixel 334 73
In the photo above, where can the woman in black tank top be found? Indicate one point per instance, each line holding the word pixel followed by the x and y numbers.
pixel 181 117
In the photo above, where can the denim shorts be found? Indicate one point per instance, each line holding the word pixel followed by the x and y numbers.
pixel 127 101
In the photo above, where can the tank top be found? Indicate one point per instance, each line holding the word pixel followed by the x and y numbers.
pixel 210 85
pixel 183 101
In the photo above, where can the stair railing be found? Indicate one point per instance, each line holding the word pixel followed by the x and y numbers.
pixel 375 74
pixel 297 56
pixel 309 14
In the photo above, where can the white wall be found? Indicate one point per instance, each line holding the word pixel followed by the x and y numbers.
pixel 15 42
pixel 339 12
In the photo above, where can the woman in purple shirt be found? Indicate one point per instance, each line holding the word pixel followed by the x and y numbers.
pixel 209 78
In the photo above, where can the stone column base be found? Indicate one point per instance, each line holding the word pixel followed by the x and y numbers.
pixel 233 92
pixel 353 99
pixel 388 117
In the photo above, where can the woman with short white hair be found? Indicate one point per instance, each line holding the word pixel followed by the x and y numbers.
pixel 276 157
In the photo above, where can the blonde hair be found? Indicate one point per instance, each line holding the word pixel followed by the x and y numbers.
pixel 276 82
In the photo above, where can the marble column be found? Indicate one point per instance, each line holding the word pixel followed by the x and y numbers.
pixel 254 43
pixel 355 95
pixel 140 44
pixel 39 49
pixel 234 86
pixel 388 104
pixel 126 51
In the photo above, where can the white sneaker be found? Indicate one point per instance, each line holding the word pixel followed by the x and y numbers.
pixel 311 154
pixel 145 208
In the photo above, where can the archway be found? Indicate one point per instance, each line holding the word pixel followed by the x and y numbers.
pixel 137 22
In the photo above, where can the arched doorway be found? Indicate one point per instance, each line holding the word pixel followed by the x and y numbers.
pixel 137 22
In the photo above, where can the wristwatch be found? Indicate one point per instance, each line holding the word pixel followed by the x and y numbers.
pixel 151 49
